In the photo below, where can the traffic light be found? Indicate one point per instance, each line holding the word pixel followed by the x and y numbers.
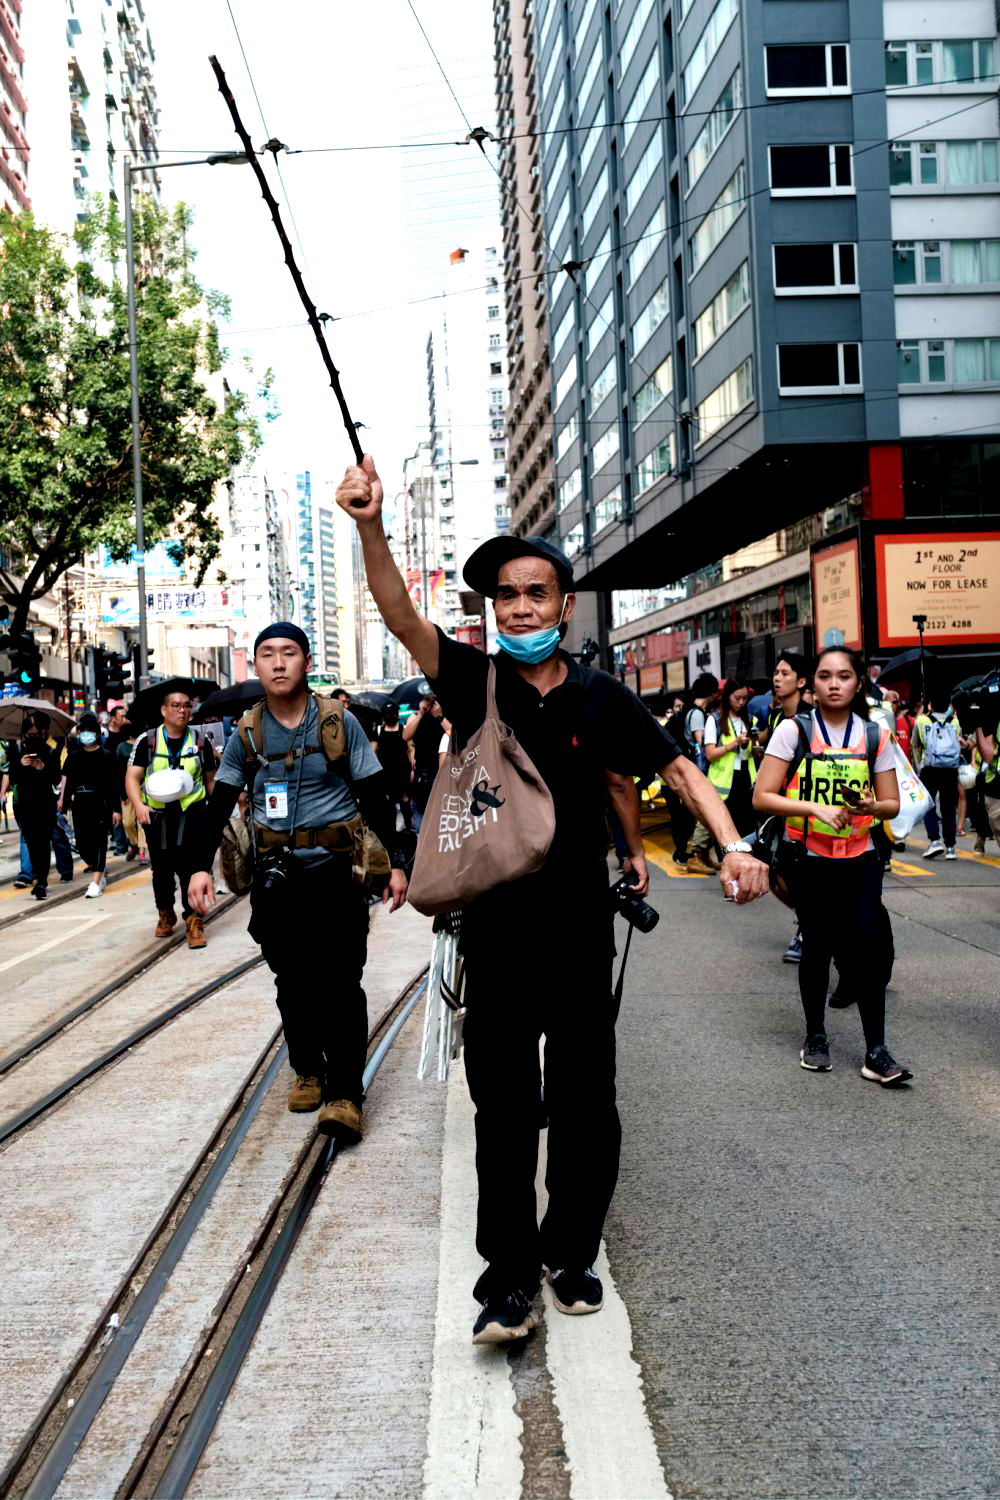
pixel 107 674
pixel 25 661
pixel 125 671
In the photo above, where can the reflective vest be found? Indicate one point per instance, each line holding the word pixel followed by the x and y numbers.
pixel 821 778
pixel 722 770
pixel 189 760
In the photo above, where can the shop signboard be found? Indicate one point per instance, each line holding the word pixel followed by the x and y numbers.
pixel 952 578
pixel 675 676
pixel 836 587
pixel 213 604
pixel 705 656
pixel 650 680
pixel 632 680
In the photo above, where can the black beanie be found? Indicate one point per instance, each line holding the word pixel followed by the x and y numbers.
pixel 283 630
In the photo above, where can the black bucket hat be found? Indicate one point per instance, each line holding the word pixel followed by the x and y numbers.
pixel 483 567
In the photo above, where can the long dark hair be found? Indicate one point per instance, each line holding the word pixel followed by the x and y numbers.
pixel 859 703
pixel 729 687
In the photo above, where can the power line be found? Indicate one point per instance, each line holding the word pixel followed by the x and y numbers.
pixel 440 65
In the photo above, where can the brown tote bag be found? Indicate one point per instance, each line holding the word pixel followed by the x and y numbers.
pixel 489 819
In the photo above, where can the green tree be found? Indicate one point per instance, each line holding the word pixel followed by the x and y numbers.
pixel 65 433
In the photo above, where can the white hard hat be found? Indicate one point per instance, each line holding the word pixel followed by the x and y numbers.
pixel 967 776
pixel 170 785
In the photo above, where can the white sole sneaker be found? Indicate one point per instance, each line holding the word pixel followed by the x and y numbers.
pixel 92 891
pixel 573 1309
pixel 497 1333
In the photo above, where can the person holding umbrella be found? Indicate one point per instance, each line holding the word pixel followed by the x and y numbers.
pixel 169 776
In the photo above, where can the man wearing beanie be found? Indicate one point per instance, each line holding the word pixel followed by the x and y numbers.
pixel 89 793
pixel 312 779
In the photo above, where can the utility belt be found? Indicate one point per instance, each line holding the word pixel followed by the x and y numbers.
pixel 335 836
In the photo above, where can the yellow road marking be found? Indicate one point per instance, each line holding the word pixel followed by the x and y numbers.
pixel 977 859
pixel 660 851
pixel 899 868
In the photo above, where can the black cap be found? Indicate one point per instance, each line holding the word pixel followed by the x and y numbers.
pixel 483 567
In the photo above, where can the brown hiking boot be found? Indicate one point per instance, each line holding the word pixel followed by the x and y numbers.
pixel 195 931
pixel 166 924
pixel 342 1119
pixel 697 865
pixel 305 1095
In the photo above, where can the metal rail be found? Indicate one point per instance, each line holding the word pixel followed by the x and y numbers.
pixel 141 967
pixel 200 1424
pixel 40 1106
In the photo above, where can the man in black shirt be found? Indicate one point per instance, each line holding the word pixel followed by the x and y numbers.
pixel 423 731
pixel 538 951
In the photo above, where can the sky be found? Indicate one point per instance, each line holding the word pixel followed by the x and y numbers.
pixel 371 229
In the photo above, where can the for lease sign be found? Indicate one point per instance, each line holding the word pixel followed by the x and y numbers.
pixel 953 579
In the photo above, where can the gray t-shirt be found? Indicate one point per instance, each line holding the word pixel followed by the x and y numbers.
pixel 312 793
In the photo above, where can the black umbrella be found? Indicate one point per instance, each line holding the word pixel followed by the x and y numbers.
pixel 368 717
pixel 370 698
pixel 144 710
pixel 411 691
pixel 230 701
pixel 903 664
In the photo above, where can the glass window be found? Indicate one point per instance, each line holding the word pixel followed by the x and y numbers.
pixel 719 219
pixel 801 170
pixel 569 489
pixel 958 59
pixel 900 163
pixel 812 69
pixel 723 310
pixel 707 46
pixel 644 92
pixel 928 154
pixel 605 447
pixel 646 243
pixel 655 465
pixel 565 437
pixel 598 262
pixel 608 508
pixel 552 108
pixel 924 54
pixel 630 40
pixel 654 390
pixel 895 64
pixel 552 173
pixel 551 12
pixel 815 369
pixel 593 135
pixel 720 405
pixel 593 68
pixel 548 77
pixel 970 361
pixel 643 174
pixel 715 129
pixel 904 264
pixel 566 325
pixel 565 384
pixel 652 315
pixel 604 384
pixel 583 25
pixel 936 370
pixel 931 260
pixel 594 201
pixel 908 362
pixel 600 323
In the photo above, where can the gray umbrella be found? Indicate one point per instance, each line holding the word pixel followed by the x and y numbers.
pixel 14 711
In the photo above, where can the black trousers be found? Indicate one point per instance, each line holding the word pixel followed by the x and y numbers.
pixel 91 826
pixel 682 821
pixel 173 846
pixel 739 803
pixel 942 781
pixel 839 906
pixel 521 986
pixel 36 827
pixel 312 927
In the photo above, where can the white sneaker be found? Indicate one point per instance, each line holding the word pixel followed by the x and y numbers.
pixel 950 853
pixel 934 848
pixel 96 887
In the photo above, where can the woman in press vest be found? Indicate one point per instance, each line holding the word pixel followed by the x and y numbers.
pixel 830 799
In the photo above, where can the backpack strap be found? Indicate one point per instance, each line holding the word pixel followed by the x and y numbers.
pixel 873 738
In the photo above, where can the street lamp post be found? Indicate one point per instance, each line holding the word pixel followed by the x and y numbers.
pixel 227 158
pixel 920 621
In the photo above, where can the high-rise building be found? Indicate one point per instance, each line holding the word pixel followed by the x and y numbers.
pixel 530 468
pixel 89 68
pixel 13 109
pixel 786 215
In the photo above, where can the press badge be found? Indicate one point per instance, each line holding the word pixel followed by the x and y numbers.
pixel 276 800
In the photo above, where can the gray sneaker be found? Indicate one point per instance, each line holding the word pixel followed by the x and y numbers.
pixel 815 1055
pixel 793 953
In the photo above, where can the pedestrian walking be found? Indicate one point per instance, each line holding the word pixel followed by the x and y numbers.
pixel 314 786
pixel 32 770
pixel 728 750
pixel 89 792
pixel 116 736
pixel 694 838
pixel 422 733
pixel 939 736
pixel 393 757
pixel 577 726
pixel 172 817
pixel 830 790
pixel 790 683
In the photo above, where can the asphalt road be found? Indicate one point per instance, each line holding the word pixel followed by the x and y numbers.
pixel 809 1261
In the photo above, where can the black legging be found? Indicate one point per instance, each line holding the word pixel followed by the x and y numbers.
pixel 91 826
pixel 739 803
pixel 839 906
pixel 37 826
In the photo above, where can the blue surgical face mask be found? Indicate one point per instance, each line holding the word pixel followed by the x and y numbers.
pixel 87 737
pixel 533 648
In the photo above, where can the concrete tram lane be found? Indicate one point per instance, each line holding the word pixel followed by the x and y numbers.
pixel 809 1261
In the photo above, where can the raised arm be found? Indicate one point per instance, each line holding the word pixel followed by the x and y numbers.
pixel 360 495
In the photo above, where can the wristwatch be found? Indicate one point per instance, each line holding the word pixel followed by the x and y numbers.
pixel 740 847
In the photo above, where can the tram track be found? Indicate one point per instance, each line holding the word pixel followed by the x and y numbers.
pixel 141 967
pixel 174 1444
pixel 61 898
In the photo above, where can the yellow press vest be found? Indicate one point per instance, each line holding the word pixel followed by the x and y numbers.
pixel 722 770
pixel 832 769
pixel 189 760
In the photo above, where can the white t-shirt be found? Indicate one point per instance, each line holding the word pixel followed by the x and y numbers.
pixel 738 727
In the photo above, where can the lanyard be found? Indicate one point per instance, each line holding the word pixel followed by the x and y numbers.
pixel 828 738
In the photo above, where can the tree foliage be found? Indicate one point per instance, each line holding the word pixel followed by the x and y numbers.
pixel 66 479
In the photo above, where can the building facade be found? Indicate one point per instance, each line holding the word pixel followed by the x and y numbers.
pixel 14 153
pixel 528 418
pixel 780 222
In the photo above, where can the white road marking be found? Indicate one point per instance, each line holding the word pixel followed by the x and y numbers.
pixel 473 1431
pixel 12 963
pixel 597 1390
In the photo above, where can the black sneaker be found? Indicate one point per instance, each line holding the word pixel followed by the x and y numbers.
pixel 22 883
pixel 65 879
pixel 576 1291
pixel 505 1317
pixel 793 953
pixel 815 1054
pixel 679 858
pixel 881 1067
pixel 40 893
